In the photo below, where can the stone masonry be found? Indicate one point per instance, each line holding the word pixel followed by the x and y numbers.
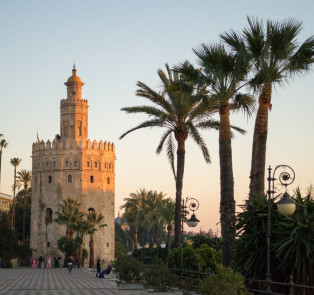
pixel 71 166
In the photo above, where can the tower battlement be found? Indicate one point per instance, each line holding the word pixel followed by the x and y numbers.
pixel 70 144
pixel 73 100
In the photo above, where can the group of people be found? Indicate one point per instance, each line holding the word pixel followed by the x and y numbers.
pixel 49 262
pixel 101 273
pixel 41 263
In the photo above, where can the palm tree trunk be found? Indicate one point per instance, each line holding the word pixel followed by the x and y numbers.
pixel 227 204
pixel 91 251
pixel 135 238
pixel 179 186
pixel 24 212
pixel 169 229
pixel 13 201
pixel 156 233
pixel 257 175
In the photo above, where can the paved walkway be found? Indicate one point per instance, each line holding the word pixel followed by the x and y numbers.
pixel 30 281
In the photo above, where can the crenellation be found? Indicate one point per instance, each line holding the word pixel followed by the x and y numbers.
pixel 94 145
pixel 48 144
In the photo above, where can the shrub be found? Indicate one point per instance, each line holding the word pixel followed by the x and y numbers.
pixel 225 282
pixel 128 270
pixel 159 278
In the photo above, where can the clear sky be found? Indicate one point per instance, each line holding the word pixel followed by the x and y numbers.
pixel 117 43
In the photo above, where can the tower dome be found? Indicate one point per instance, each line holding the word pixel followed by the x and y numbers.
pixel 74 78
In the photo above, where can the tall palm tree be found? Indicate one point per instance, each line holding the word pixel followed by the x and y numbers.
pixel 94 222
pixel 167 214
pixel 275 58
pixel 69 215
pixel 14 162
pixel 24 178
pixel 225 74
pixel 180 111
pixel 3 145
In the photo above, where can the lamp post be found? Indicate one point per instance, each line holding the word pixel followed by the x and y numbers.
pixel 191 204
pixel 286 206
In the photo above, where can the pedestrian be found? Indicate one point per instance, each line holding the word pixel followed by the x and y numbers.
pixel 98 267
pixel 49 264
pixel 56 261
pixel 34 263
pixel 40 261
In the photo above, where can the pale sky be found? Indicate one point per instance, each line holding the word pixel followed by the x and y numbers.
pixel 115 44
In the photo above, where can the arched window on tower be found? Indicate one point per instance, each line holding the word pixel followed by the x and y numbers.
pixel 92 179
pixel 70 179
pixel 48 215
pixel 108 180
pixel 66 164
pixel 49 179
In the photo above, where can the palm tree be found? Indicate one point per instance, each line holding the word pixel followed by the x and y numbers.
pixel 81 228
pixel 135 213
pixel 3 145
pixel 14 162
pixel 275 58
pixel 180 111
pixel 226 74
pixel 69 215
pixel 94 221
pixel 167 213
pixel 154 204
pixel 25 178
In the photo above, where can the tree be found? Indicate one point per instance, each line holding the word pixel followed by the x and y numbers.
pixel 225 73
pixel 275 58
pixel 14 162
pixel 180 109
pixel 167 213
pixel 152 212
pixel 133 211
pixel 25 178
pixel 69 215
pixel 94 222
pixel 292 240
pixel 3 145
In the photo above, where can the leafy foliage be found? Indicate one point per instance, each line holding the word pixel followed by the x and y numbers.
pixel 292 240
pixel 128 270
pixel 203 259
pixel 225 282
pixel 159 278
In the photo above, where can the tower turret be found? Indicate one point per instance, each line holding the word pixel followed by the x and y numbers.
pixel 74 111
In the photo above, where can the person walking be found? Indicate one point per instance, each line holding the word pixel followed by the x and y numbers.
pixel 98 267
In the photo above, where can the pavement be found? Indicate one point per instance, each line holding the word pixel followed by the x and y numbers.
pixel 34 281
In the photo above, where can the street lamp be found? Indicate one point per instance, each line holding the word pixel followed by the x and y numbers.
pixel 191 204
pixel 286 206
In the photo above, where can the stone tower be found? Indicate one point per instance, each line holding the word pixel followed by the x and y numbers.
pixel 72 166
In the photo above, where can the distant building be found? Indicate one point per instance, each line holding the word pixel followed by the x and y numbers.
pixel 5 202
pixel 122 223
pixel 72 166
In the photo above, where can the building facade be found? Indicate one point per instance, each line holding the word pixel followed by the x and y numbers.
pixel 5 202
pixel 71 166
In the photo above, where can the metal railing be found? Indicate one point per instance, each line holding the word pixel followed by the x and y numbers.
pixel 278 288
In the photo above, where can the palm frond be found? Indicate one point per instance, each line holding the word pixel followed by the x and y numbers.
pixel 151 123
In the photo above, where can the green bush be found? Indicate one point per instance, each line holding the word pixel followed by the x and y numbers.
pixel 159 278
pixel 204 258
pixel 225 282
pixel 128 270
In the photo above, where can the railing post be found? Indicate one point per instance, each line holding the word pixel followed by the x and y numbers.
pixel 291 285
